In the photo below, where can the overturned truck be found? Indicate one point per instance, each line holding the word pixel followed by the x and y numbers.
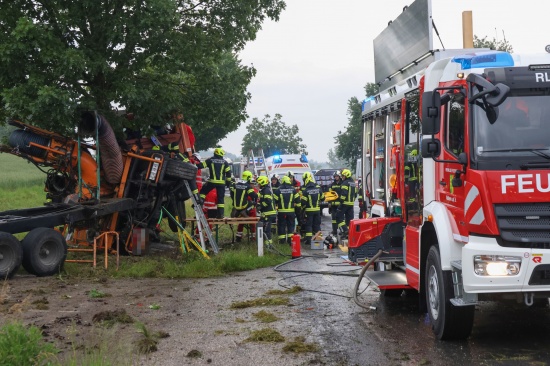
pixel 91 190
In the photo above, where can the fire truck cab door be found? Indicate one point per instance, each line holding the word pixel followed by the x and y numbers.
pixel 453 136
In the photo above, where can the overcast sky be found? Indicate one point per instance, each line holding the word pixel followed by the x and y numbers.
pixel 320 54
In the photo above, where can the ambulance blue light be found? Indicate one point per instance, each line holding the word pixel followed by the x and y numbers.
pixel 484 60
pixel 277 159
pixel 303 158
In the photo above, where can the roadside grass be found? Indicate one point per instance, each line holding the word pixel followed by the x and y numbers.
pixel 22 346
pixel 190 265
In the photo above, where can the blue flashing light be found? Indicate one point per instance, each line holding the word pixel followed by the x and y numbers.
pixel 277 159
pixel 365 102
pixel 303 158
pixel 484 60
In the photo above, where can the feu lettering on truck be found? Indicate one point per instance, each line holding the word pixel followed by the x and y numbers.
pixel 525 183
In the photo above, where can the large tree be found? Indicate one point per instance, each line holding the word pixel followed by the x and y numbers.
pixel 348 143
pixel 152 58
pixel 273 136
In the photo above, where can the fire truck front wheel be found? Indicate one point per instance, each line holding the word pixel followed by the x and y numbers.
pixel 448 321
pixel 44 252
pixel 11 255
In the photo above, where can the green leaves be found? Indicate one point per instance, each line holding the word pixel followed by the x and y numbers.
pixel 493 44
pixel 273 136
pixel 150 58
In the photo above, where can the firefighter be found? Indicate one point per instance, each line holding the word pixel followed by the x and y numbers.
pixel 275 181
pixel 295 183
pixel 220 176
pixel 347 198
pixel 312 195
pixel 287 199
pixel 244 200
pixel 335 187
pixel 361 199
pixel 266 206
pixel 411 177
pixel 175 153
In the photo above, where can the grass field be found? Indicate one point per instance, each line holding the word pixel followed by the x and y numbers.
pixel 21 183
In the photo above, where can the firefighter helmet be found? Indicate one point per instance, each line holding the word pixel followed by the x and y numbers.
pixel 219 151
pixel 247 176
pixel 286 180
pixel 337 174
pixel 274 176
pixel 346 173
pixel 174 146
pixel 262 180
pixel 156 147
pixel 306 177
pixel 290 173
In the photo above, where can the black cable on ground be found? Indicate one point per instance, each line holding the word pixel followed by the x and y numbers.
pixel 361 274
pixel 308 290
pixel 341 273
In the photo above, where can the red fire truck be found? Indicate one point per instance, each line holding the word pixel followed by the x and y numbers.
pixel 457 165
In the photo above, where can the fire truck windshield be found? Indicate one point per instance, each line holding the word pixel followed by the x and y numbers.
pixel 522 126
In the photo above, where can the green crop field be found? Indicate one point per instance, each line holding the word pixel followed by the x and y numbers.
pixel 21 183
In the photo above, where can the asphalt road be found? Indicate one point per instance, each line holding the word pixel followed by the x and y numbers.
pixel 393 331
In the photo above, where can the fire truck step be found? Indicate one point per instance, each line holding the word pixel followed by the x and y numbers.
pixel 388 279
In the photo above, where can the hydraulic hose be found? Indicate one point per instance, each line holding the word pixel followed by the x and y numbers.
pixel 110 155
pixel 361 274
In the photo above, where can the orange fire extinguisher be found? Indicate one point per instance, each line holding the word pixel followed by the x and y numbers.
pixel 296 250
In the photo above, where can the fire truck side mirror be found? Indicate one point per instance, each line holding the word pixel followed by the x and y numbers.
pixel 431 148
pixel 431 103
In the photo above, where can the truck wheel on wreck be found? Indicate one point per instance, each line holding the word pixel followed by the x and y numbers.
pixel 44 252
pixel 448 321
pixel 177 169
pixel 11 255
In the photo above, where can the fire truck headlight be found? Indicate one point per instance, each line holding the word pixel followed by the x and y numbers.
pixel 496 265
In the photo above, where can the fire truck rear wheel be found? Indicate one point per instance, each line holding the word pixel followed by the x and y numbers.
pixel 11 255
pixel 44 252
pixel 448 321
pixel 176 169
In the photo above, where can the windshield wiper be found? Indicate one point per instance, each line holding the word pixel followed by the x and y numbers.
pixel 534 151
pixel 534 165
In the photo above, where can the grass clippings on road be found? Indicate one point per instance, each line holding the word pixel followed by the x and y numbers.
pixel 262 301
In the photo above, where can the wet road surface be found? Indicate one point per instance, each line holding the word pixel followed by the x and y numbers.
pixel 393 332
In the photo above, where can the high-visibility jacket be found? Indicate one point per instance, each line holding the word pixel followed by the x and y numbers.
pixel 335 187
pixel 267 206
pixel 219 169
pixel 242 194
pixel 348 191
pixel 312 195
pixel 286 198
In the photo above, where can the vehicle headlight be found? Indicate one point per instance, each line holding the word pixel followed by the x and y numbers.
pixel 496 265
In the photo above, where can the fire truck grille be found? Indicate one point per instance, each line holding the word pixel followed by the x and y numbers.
pixel 524 225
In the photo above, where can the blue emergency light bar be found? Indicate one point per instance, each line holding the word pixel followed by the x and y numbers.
pixel 482 60
pixel 277 159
